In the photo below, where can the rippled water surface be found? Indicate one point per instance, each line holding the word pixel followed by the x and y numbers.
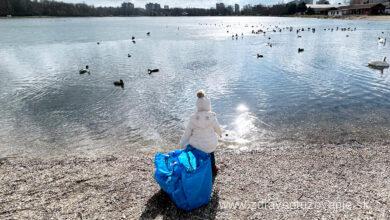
pixel 326 94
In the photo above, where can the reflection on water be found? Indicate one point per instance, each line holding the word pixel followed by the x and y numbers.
pixel 244 126
pixel 326 94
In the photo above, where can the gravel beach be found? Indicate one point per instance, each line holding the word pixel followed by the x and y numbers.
pixel 306 182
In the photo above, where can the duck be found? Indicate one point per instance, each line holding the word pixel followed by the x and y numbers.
pixel 86 70
pixel 128 55
pixel 260 56
pixel 133 41
pixel 132 37
pixel 381 40
pixel 98 43
pixel 300 50
pixel 148 34
pixel 379 64
pixel 119 83
pixel 150 71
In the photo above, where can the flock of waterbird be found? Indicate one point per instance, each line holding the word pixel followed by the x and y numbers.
pixel 120 82
pixel 264 30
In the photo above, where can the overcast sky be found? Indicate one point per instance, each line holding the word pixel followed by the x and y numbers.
pixel 177 3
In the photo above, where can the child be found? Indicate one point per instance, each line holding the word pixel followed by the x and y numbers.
pixel 202 130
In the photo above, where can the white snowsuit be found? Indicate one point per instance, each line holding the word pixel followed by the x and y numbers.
pixel 202 129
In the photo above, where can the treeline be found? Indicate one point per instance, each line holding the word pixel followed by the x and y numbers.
pixel 182 12
pixel 256 10
pixel 54 8
pixel 275 10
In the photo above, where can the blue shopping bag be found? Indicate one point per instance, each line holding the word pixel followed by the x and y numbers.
pixel 185 175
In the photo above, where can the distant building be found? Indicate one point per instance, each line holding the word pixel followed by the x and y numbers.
pixel 356 2
pixel 322 2
pixel 237 9
pixel 322 9
pixel 337 12
pixel 220 7
pixel 248 7
pixel 353 9
pixel 387 10
pixel 152 7
pixel 366 9
pixel 361 2
pixel 229 10
pixel 166 7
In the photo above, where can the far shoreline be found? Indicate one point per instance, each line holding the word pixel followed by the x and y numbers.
pixel 349 17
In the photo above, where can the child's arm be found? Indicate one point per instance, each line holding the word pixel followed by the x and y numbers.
pixel 216 127
pixel 186 136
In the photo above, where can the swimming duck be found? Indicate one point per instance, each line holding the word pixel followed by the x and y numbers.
pixel 381 40
pixel 148 34
pixel 132 37
pixel 150 71
pixel 133 41
pixel 119 83
pixel 128 55
pixel 300 50
pixel 260 56
pixel 86 70
pixel 379 64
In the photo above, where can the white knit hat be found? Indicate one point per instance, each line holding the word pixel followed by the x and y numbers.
pixel 203 103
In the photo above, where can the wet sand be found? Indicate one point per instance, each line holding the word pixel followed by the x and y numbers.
pixel 345 181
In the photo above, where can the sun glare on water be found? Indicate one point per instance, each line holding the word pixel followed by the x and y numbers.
pixel 242 125
pixel 242 108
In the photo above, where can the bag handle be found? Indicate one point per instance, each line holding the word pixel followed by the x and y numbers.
pixel 189 161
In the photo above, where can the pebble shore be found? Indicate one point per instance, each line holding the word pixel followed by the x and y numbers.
pixel 306 182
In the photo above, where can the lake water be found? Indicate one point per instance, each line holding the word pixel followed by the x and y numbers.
pixel 326 94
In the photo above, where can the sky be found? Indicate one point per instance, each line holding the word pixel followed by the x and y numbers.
pixel 177 3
